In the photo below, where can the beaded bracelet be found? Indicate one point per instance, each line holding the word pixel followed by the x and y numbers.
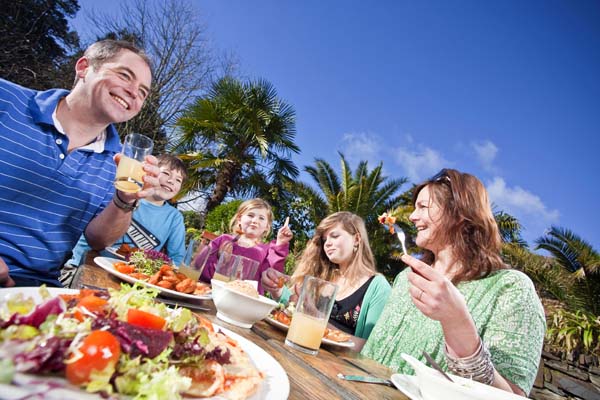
pixel 478 366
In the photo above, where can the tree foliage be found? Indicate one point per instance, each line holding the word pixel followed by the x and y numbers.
pixel 237 140
pixel 578 257
pixel 173 35
pixel 37 42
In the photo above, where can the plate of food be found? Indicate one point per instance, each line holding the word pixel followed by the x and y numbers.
pixel 332 337
pixel 187 356
pixel 166 279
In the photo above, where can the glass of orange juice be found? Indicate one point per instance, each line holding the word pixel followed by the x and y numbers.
pixel 196 255
pixel 130 171
pixel 312 314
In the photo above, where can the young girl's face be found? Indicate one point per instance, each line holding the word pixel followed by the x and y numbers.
pixel 254 222
pixel 339 245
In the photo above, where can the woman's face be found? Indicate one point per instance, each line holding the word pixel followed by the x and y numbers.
pixel 426 218
pixel 339 245
pixel 254 222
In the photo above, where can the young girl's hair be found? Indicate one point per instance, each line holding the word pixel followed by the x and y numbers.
pixel 314 260
pixel 246 206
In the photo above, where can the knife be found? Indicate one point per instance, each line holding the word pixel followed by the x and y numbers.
pixel 366 379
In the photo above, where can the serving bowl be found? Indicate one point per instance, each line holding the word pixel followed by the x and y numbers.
pixel 434 386
pixel 239 308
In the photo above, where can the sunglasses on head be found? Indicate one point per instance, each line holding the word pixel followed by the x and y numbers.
pixel 441 176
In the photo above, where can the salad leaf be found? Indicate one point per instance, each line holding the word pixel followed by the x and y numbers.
pixel 54 306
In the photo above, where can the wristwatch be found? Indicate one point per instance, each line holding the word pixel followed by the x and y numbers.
pixel 123 205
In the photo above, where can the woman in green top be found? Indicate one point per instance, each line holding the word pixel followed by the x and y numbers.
pixel 339 252
pixel 460 302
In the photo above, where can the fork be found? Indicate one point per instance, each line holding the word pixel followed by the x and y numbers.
pixel 400 234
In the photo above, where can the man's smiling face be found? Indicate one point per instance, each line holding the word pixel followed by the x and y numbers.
pixel 117 88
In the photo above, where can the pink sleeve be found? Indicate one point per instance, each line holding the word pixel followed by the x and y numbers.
pixel 211 262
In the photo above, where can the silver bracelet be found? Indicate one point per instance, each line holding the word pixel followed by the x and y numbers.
pixel 478 366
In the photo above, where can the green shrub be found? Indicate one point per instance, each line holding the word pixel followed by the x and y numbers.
pixel 573 332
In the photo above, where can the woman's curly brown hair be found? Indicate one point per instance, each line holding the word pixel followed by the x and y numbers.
pixel 467 223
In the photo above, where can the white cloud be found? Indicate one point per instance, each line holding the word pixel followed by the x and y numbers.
pixel 520 203
pixel 421 163
pixel 486 154
pixel 358 147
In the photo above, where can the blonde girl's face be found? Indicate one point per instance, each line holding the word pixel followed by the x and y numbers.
pixel 339 245
pixel 254 223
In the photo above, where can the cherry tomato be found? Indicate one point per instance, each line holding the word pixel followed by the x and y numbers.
pixel 101 350
pixel 145 319
pixel 91 303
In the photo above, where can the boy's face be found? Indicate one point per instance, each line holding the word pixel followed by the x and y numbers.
pixel 170 181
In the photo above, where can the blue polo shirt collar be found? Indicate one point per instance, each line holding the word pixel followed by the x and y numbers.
pixel 43 105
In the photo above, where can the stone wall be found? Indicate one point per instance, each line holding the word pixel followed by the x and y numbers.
pixel 567 378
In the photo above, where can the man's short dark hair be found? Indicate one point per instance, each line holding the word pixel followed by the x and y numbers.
pixel 108 49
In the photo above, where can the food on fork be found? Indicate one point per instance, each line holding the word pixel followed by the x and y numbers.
pixel 243 287
pixel 387 220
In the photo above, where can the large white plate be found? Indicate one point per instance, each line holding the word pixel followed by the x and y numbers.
pixel 106 263
pixel 282 326
pixel 275 386
pixel 408 385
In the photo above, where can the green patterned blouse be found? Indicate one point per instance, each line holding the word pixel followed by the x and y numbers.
pixel 506 310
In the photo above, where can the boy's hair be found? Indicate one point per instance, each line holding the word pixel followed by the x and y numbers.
pixel 248 205
pixel 106 50
pixel 173 163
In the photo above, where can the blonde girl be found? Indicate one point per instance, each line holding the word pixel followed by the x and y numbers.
pixel 250 225
pixel 339 252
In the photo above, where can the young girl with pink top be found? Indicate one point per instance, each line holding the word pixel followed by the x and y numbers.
pixel 250 225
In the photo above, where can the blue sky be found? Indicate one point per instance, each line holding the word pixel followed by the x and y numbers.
pixel 508 91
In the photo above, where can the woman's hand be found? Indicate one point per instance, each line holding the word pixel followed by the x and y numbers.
pixel 273 281
pixel 285 234
pixel 436 297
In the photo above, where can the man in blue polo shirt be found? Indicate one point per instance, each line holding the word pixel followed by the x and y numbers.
pixel 58 155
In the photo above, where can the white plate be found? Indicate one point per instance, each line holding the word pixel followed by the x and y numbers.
pixel 107 264
pixel 113 252
pixel 275 386
pixel 408 385
pixel 329 342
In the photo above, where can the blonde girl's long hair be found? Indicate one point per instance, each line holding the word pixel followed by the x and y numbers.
pixel 234 225
pixel 314 260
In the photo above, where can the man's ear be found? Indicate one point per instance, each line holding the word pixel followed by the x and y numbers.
pixel 81 67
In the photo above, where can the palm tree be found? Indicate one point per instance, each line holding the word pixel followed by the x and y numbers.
pixel 237 140
pixel 578 257
pixel 510 229
pixel 363 192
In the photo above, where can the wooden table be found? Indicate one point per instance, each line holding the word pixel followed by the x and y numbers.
pixel 311 377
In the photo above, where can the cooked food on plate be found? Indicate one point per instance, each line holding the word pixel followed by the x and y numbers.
pixel 123 342
pixel 284 316
pixel 154 267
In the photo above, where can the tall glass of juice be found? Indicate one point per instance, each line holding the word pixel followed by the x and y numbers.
pixel 130 172
pixel 312 314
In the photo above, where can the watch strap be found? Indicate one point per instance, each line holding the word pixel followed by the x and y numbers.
pixel 123 205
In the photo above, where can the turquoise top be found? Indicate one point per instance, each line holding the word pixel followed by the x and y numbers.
pixel 370 309
pixel 506 310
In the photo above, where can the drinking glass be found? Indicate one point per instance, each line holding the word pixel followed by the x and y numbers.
pixel 130 171
pixel 311 315
pixel 231 267
pixel 196 254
